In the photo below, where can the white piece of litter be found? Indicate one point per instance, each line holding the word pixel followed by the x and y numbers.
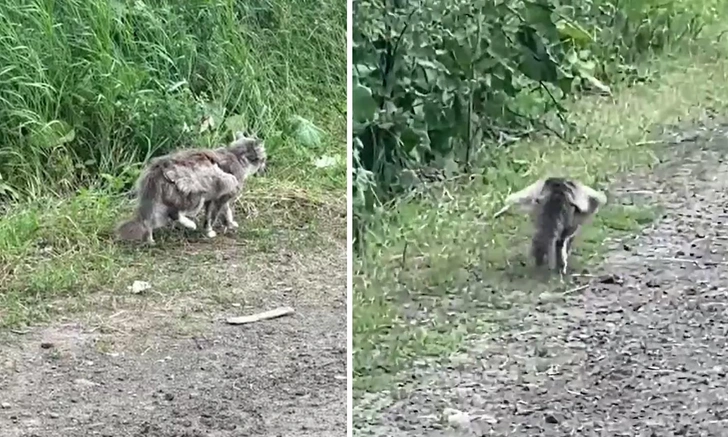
pixel 139 286
pixel 456 418
pixel 325 161
pixel 272 314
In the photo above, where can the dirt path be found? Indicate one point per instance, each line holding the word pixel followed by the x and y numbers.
pixel 642 351
pixel 170 366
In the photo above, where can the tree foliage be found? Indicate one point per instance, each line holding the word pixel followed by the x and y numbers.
pixel 445 84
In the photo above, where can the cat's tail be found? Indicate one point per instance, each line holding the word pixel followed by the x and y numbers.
pixel 141 225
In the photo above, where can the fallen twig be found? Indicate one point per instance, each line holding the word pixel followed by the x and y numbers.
pixel 583 275
pixel 272 314
pixel 652 193
pixel 19 332
pixel 577 289
pixel 501 211
pixel 647 143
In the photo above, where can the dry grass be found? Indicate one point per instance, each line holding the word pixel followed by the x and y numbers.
pixel 57 254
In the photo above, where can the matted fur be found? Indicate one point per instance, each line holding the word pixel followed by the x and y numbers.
pixel 559 208
pixel 179 185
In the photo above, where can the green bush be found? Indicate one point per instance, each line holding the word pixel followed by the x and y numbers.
pixel 445 84
pixel 90 88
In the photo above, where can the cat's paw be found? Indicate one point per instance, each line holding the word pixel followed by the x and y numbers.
pixel 187 223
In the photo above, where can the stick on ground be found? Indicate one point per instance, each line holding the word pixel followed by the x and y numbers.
pixel 272 314
pixel 501 211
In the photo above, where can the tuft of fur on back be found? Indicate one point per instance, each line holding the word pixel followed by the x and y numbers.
pixel 555 213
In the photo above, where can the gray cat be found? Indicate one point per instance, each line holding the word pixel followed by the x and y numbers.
pixel 179 185
pixel 559 207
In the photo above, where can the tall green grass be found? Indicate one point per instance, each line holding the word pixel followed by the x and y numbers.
pixel 91 88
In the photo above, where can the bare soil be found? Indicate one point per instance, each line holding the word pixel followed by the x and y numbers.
pixel 641 350
pixel 158 368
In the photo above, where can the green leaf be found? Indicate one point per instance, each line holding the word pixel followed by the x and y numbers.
pixel 411 138
pixel 235 123
pixel 363 104
pixel 305 132
pixel 540 70
pixel 54 134
pixel 574 31
pixel 362 70
pixel 596 83
pixel 538 14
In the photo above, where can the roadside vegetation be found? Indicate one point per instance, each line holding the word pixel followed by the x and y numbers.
pixel 457 104
pixel 90 90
